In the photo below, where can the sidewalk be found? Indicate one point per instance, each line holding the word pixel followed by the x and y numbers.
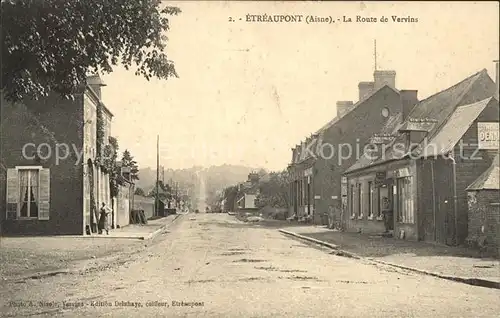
pixel 454 263
pixel 43 256
pixel 136 231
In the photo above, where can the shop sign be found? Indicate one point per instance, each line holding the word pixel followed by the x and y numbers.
pixel 402 173
pixel 487 135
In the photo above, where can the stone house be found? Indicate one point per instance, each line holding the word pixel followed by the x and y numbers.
pixel 51 182
pixel 483 198
pixel 318 163
pixel 419 165
pixel 248 192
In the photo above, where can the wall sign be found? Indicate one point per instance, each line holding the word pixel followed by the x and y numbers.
pixel 403 172
pixel 317 197
pixel 487 135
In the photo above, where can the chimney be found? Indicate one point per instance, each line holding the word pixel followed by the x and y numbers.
pixel 365 89
pixel 383 78
pixel 95 82
pixel 343 107
pixel 408 101
pixel 253 177
pixel 497 81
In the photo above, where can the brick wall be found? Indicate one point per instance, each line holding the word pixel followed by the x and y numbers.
pixel 50 121
pixel 355 129
pixel 484 211
pixel 471 163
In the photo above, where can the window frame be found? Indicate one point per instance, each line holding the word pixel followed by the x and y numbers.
pixel 371 202
pixel 351 206
pixel 405 200
pixel 360 200
pixel 20 202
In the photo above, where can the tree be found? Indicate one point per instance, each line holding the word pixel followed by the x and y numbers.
pixel 139 191
pixel 164 191
pixel 274 192
pixel 230 194
pixel 52 45
pixel 128 161
pixel 262 172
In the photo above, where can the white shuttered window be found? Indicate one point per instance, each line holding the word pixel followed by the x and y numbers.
pixel 28 193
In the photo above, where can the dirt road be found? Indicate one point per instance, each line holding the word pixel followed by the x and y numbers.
pixel 211 265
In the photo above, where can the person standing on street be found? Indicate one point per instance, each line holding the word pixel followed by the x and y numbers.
pixel 387 214
pixel 103 219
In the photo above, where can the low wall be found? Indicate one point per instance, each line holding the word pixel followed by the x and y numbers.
pixel 146 204
pixel 121 206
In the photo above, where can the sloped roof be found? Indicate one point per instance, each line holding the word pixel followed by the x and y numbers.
pixel 457 125
pixel 490 179
pixel 318 135
pixel 361 101
pixel 390 128
pixel 438 107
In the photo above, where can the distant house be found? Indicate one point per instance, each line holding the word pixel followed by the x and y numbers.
pixel 426 159
pixel 247 192
pixel 318 162
pixel 51 182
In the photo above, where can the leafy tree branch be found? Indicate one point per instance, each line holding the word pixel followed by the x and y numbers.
pixel 51 45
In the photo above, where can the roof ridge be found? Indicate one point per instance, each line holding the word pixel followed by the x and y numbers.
pixel 479 101
pixel 473 79
pixel 453 86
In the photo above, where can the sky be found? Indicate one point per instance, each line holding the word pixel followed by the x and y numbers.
pixel 248 92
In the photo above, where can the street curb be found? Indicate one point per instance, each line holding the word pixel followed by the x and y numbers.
pixel 332 246
pixel 469 281
pixel 155 233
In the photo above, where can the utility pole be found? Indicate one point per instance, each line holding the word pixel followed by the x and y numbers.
pixel 157 199
pixel 177 194
pixel 375 52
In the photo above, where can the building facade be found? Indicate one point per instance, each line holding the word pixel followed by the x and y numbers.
pixel 483 198
pixel 420 165
pixel 50 178
pixel 248 192
pixel 318 163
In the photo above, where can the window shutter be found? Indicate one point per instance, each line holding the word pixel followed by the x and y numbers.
pixel 44 194
pixel 12 193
